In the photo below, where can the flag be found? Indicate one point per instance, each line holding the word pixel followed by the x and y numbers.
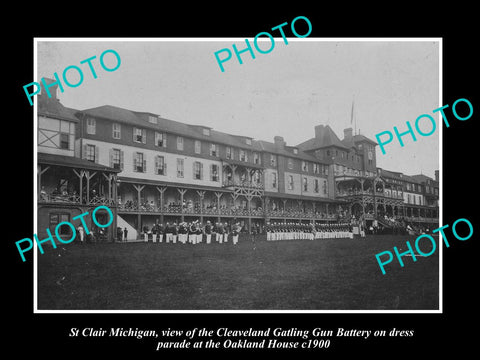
pixel 351 117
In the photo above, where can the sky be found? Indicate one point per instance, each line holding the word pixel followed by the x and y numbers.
pixel 286 92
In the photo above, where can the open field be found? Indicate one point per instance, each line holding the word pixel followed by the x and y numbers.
pixel 330 274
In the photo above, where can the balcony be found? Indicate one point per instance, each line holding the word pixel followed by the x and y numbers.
pixel 59 198
pixel 243 184
pixel 370 193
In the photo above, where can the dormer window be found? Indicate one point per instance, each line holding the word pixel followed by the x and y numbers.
pixel 248 141
pixel 152 119
pixel 295 151
pixel 206 132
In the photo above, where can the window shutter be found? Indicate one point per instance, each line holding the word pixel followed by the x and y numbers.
pixel 133 135
pixel 164 140
pixel 121 160
pixel 144 136
pixel 156 165
pixel 164 167
pixel 145 165
pixel 134 162
pixel 193 172
pixel 110 156
pixel 201 171
pixel 96 153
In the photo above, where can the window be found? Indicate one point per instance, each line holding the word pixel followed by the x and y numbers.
pixel 152 119
pixel 180 168
pixel 116 159
pixel 214 172
pixel 273 160
pixel 328 152
pixel 139 163
pixel 64 141
pixel 248 141
pixel 316 168
pixel 206 132
pixel 57 218
pixel 197 170
pixel 290 182
pixel 91 125
pixel 304 166
pixel 408 198
pixel 295 151
pixel 179 143
pixel 305 184
pixel 274 180
pixel 198 146
pixel 324 186
pixel 160 166
pixel 116 131
pixel 229 152
pixel 90 153
pixel 316 186
pixel 408 186
pixel 290 163
pixel 243 155
pixel 139 135
pixel 256 158
pixel 213 150
pixel 160 139
pixel 342 154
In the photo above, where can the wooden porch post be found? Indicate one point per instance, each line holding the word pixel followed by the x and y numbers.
pixel 161 191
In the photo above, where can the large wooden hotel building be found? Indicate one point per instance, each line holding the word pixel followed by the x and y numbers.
pixel 148 169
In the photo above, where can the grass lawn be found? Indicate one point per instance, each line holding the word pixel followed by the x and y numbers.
pixel 330 274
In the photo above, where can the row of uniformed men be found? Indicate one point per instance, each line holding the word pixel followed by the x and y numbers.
pixel 299 231
pixel 192 232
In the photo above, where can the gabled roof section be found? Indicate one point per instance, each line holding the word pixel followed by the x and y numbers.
pixel 271 148
pixel 51 107
pixel 423 178
pixel 137 118
pixel 324 137
pixel 360 138
pixel 398 176
pixel 73 162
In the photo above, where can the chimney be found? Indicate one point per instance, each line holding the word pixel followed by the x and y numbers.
pixel 348 134
pixel 51 89
pixel 437 175
pixel 319 131
pixel 279 142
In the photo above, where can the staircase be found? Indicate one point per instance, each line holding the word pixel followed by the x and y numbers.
pixel 132 232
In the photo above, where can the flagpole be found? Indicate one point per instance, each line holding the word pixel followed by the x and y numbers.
pixel 351 117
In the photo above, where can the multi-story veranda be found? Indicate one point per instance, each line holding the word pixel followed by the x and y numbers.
pixel 68 187
pixel 144 203
pixel 374 198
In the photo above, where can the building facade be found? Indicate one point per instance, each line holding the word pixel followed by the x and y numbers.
pixel 68 186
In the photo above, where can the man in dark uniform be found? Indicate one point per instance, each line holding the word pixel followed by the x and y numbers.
pixel 220 231
pixel 192 233
pixel 159 234
pixel 168 233
pixel 208 232
pixel 174 232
